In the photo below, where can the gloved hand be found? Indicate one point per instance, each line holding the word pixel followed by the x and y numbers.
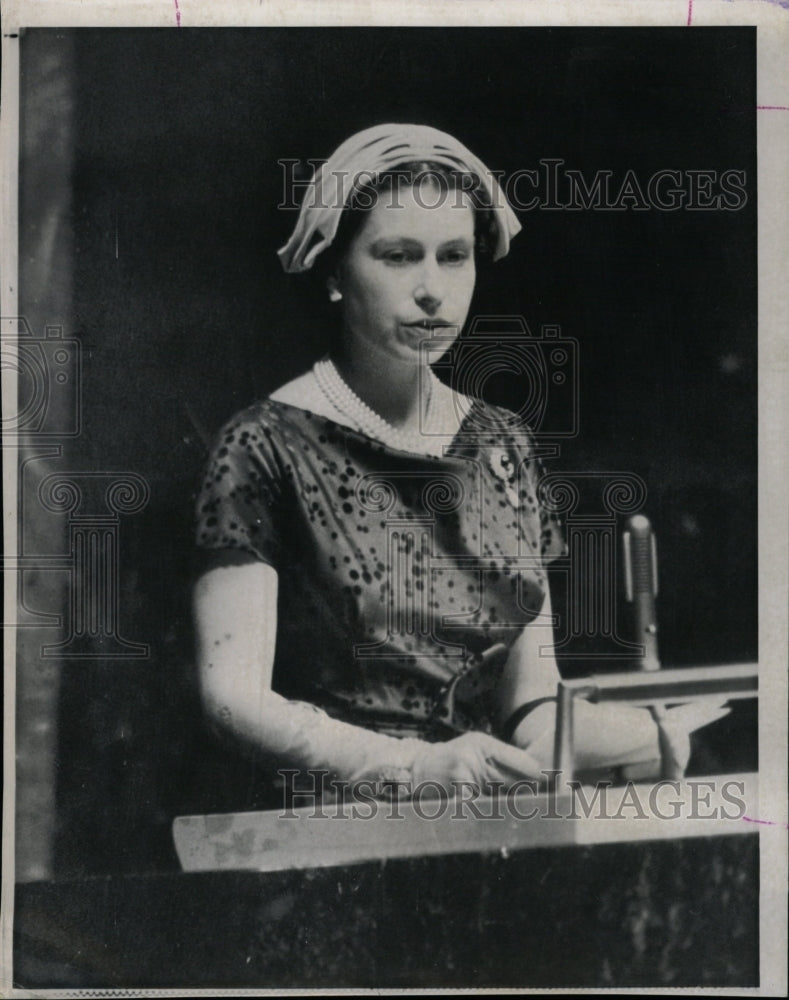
pixel 674 728
pixel 642 743
pixel 309 739
pixel 475 758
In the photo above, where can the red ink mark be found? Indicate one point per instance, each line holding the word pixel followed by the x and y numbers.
pixel 178 15
pixel 690 11
pixel 765 822
pixel 772 107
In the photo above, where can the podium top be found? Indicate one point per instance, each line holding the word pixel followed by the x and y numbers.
pixel 323 835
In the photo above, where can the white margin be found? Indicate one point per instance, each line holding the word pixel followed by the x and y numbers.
pixel 9 148
pixel 772 21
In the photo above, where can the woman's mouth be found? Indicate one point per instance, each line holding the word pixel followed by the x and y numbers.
pixel 436 323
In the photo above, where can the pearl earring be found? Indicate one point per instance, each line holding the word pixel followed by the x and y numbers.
pixel 335 295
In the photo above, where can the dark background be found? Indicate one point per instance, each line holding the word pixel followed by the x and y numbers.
pixel 176 137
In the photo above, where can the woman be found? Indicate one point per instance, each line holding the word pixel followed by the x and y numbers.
pixel 374 600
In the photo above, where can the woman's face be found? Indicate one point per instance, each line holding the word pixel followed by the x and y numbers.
pixel 409 273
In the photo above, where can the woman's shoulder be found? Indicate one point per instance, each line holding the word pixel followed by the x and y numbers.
pixel 274 429
pixel 256 441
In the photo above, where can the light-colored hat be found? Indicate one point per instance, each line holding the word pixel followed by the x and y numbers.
pixel 359 160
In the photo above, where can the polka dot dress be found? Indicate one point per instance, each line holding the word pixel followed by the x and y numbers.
pixel 397 571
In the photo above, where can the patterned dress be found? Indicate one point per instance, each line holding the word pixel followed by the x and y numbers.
pixel 396 570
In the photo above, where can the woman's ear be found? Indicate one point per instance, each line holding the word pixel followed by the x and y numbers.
pixel 333 287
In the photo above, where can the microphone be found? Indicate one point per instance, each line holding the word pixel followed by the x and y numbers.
pixel 641 586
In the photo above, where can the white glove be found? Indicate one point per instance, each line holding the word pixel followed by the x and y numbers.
pixel 474 758
pixel 301 735
pixel 643 742
pixel 674 728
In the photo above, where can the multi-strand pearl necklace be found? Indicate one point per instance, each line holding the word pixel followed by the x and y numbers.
pixel 430 439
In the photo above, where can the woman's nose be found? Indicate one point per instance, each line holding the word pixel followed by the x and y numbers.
pixel 428 292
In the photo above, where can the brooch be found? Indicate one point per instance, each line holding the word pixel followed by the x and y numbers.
pixel 504 469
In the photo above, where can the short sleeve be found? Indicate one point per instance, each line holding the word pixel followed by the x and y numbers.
pixel 239 500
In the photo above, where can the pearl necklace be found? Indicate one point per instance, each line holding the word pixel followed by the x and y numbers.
pixel 344 399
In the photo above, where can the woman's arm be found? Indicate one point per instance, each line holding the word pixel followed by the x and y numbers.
pixel 235 615
pixel 605 735
pixel 530 671
pixel 643 743
pixel 235 611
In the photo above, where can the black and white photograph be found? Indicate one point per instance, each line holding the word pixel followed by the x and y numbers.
pixel 394 486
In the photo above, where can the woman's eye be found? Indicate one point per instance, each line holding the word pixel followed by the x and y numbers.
pixel 398 257
pixel 455 257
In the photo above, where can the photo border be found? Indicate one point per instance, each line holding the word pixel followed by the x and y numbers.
pixel 772 22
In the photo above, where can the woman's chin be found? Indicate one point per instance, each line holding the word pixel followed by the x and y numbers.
pixel 409 354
